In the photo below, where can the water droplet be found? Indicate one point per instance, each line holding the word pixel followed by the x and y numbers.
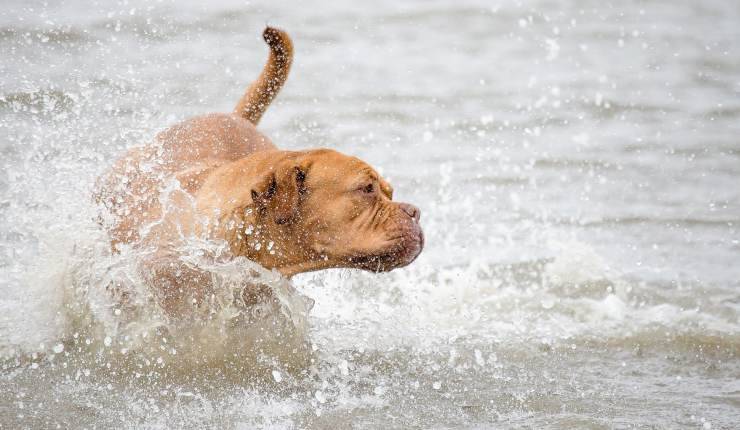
pixel 344 367
pixel 479 358
pixel 320 396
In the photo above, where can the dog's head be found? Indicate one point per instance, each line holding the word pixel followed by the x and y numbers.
pixel 318 209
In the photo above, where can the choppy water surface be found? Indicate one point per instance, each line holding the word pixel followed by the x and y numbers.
pixel 577 165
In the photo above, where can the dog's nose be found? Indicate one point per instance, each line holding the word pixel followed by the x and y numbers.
pixel 411 210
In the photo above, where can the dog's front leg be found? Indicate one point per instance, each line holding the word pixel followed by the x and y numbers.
pixel 181 289
pixel 178 287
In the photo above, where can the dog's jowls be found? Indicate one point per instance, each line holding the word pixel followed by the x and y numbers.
pixel 294 211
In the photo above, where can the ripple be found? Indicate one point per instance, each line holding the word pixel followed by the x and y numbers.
pixel 41 101
pixel 66 35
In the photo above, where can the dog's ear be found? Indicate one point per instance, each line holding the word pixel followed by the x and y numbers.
pixel 279 193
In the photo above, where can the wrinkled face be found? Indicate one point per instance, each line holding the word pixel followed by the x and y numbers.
pixel 339 211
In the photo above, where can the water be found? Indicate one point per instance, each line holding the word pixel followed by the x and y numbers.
pixel 577 165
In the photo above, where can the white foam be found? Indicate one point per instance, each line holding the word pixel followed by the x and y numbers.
pixel 77 299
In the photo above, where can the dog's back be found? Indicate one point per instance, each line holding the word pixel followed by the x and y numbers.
pixel 187 152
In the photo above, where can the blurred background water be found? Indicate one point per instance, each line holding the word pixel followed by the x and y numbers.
pixel 577 164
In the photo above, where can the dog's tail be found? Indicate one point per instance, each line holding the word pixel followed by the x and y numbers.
pixel 255 101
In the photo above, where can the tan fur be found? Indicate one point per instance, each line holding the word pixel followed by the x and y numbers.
pixel 294 211
pixel 259 95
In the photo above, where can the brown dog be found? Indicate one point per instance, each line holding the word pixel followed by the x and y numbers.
pixel 294 211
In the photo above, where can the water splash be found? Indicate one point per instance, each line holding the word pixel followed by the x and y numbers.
pixel 105 314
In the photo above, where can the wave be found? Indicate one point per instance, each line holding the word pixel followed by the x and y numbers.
pixel 654 221
pixel 40 101
pixel 93 310
pixel 109 319
pixel 66 35
pixel 575 298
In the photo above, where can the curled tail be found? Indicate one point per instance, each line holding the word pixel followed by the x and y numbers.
pixel 258 96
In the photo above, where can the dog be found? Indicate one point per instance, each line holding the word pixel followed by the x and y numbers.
pixel 291 211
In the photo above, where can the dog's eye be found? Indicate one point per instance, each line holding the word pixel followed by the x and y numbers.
pixel 368 189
